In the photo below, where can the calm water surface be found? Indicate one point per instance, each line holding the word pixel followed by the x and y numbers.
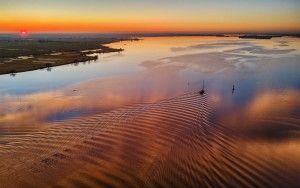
pixel 153 69
pixel 263 110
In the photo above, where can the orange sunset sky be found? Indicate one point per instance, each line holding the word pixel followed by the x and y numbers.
pixel 149 16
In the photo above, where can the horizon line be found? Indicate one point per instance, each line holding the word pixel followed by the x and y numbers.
pixel 158 32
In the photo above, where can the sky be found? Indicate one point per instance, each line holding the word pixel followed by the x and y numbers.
pixel 150 16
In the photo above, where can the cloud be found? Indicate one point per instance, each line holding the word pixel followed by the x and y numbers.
pixel 261 50
pixel 211 45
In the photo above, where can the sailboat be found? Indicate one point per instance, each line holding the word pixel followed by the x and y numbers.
pixel 202 90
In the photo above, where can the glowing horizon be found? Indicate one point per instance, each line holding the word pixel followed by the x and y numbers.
pixel 149 16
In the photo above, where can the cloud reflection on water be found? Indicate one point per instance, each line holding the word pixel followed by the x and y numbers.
pixel 262 114
pixel 160 78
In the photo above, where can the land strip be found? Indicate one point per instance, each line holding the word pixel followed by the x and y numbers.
pixel 27 54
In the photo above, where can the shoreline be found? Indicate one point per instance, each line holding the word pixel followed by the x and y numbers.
pixel 64 59
pixel 64 53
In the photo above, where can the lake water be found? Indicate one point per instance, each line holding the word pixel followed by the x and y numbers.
pixel 263 109
pixel 153 69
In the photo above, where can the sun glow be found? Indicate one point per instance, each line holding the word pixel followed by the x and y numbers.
pixel 23 33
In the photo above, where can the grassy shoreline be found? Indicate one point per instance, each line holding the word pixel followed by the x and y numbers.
pixel 21 55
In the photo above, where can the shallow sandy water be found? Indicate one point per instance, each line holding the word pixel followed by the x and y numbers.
pixel 172 143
